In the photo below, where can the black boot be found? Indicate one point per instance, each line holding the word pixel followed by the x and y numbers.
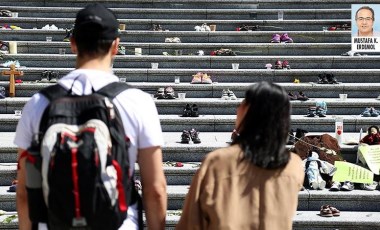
pixel 331 79
pixel 291 140
pixel 300 133
pixel 322 79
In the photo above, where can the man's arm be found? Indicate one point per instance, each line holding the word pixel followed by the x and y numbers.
pixel 153 186
pixel 21 196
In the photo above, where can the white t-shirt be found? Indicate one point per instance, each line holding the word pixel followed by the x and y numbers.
pixel 136 108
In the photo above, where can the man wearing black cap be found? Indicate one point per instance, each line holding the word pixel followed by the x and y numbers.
pixel 95 41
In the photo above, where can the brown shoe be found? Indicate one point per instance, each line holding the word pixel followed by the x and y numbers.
pixel 325 211
pixel 334 211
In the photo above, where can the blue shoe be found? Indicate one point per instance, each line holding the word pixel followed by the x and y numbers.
pixel 374 112
pixel 366 112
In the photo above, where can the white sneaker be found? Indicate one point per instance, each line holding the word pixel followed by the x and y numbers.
pixel 197 28
pixel 314 185
pixel 231 95
pixel 53 27
pixel 47 27
pixel 321 182
pixel 205 27
pixel 225 95
pixel 9 63
pixel 176 40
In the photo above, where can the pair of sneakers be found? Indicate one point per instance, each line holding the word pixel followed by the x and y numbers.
pixel 173 40
pixel 337 186
pixel 4 47
pixel 11 27
pixel 247 28
pixel 328 78
pixel 5 13
pixel 190 111
pixel 314 111
pixel 283 38
pixel 69 33
pixel 298 96
pixel 281 64
pixel 190 135
pixel 370 112
pixel 49 27
pixel 49 77
pixel 10 62
pixel 165 93
pixel 223 52
pixel 121 50
pixel 201 78
pixel 227 94
pixel 203 27
pixel 157 27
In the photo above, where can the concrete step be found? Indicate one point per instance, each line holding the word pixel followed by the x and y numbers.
pixel 226 123
pixel 191 36
pixel 213 62
pixel 308 200
pixel 159 13
pixel 304 220
pixel 175 151
pixel 184 24
pixel 310 220
pixel 222 75
pixel 217 106
pixel 312 89
pixel 197 4
pixel 44 47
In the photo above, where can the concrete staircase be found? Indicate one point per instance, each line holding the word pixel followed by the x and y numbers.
pixel 313 52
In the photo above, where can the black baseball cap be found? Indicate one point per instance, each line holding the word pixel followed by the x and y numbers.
pixel 95 22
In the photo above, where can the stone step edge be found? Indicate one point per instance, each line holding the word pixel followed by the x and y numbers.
pixel 304 219
pixel 230 119
pixel 184 21
pixel 212 71
pixel 153 10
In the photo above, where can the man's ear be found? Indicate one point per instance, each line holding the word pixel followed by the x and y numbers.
pixel 115 46
pixel 73 46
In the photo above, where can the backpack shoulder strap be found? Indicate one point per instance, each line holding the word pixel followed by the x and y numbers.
pixel 113 89
pixel 53 92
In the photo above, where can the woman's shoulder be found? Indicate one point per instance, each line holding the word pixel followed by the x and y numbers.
pixel 223 154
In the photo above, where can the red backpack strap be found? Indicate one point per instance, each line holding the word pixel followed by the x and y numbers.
pixel 28 156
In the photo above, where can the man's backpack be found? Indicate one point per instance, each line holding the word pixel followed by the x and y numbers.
pixel 77 168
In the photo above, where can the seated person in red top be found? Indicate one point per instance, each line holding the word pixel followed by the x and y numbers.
pixel 373 136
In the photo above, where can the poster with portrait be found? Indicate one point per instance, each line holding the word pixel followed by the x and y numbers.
pixel 365 28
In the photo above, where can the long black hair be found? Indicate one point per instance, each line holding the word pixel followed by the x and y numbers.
pixel 263 132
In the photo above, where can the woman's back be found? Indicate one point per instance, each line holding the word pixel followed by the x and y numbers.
pixel 231 193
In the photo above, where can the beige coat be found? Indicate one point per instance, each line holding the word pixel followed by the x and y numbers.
pixel 230 193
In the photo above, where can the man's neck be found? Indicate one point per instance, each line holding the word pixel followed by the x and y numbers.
pixel 369 34
pixel 103 64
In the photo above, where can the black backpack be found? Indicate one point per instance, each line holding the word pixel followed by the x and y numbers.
pixel 77 168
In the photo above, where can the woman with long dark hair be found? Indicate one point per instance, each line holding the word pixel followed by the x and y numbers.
pixel 254 183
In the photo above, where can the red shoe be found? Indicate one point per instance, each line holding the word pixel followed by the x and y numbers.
pixel 278 64
pixel 285 65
